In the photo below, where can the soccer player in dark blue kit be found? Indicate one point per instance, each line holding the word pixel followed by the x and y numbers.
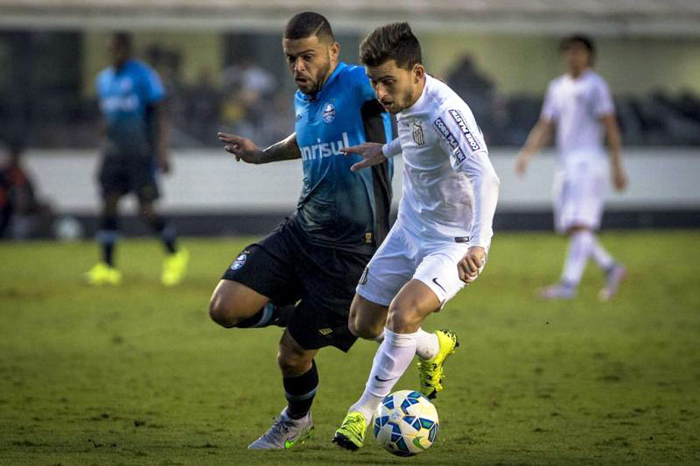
pixel 131 100
pixel 303 275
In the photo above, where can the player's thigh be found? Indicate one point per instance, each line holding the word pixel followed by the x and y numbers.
pixel 581 201
pixel 143 180
pixel 112 177
pixel 267 269
pixel 438 269
pixel 390 268
pixel 367 319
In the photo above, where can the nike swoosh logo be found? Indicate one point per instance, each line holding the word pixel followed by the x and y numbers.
pixel 384 380
pixel 436 282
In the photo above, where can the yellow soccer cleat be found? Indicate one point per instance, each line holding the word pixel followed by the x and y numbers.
pixel 351 434
pixel 432 371
pixel 175 267
pixel 103 274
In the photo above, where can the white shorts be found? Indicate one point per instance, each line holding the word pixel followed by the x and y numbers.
pixel 404 256
pixel 579 197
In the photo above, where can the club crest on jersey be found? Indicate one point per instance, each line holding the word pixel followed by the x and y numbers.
pixel 418 133
pixel 240 261
pixel 462 123
pixel 328 113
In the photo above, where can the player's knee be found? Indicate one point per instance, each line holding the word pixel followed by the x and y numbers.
pixel 403 319
pixel 291 363
pixel 222 312
pixel 364 329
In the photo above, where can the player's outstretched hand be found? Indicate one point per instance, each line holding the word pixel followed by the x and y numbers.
pixel 521 162
pixel 371 152
pixel 472 264
pixel 619 179
pixel 241 148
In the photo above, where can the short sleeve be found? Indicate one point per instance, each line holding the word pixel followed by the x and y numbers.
pixel 603 102
pixel 549 107
pixel 459 135
pixel 152 86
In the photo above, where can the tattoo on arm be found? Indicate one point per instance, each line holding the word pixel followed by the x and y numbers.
pixel 286 149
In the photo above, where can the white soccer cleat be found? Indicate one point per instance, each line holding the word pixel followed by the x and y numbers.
pixel 557 291
pixel 284 433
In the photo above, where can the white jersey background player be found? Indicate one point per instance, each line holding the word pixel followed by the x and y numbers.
pixel 579 106
pixel 441 238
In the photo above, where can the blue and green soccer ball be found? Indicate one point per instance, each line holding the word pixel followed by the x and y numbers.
pixel 406 423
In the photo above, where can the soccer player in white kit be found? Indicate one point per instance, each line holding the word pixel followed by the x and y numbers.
pixel 578 104
pixel 441 238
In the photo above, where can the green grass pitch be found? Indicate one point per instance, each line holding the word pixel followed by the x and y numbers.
pixel 139 374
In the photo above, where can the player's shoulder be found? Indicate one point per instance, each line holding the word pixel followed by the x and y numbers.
pixel 352 75
pixel 440 98
pixel 557 82
pixel 595 79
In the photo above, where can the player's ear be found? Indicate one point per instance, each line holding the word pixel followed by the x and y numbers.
pixel 335 50
pixel 418 72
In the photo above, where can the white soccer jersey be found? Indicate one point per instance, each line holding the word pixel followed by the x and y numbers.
pixel 576 105
pixel 450 188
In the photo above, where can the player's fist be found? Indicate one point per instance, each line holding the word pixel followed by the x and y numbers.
pixel 472 264
pixel 241 148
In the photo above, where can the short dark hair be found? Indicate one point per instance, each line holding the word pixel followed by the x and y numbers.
pixel 391 42
pixel 123 39
pixel 308 24
pixel 580 39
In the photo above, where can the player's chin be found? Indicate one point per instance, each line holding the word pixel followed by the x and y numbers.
pixel 305 86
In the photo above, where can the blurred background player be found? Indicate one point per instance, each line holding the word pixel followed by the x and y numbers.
pixel 304 273
pixel 131 100
pixel 579 105
pixel 19 206
pixel 440 240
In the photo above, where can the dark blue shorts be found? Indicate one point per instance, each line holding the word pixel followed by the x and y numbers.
pixel 286 268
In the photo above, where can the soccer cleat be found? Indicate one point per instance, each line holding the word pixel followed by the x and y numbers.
pixel 351 433
pixel 174 267
pixel 103 274
pixel 558 291
pixel 613 277
pixel 431 370
pixel 284 433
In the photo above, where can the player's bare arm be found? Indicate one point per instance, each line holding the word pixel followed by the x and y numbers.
pixel 371 152
pixel 471 264
pixel 246 150
pixel 612 135
pixel 539 136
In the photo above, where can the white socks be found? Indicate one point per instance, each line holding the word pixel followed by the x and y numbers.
pixel 580 246
pixel 390 362
pixel 427 344
pixel 601 256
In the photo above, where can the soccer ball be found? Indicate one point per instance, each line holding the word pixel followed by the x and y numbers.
pixel 406 423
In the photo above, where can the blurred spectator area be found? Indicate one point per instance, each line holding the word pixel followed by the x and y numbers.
pixel 238 82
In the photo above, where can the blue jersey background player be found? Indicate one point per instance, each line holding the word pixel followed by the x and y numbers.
pixel 131 97
pixel 303 275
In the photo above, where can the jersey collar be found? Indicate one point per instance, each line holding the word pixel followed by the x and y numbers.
pixel 305 97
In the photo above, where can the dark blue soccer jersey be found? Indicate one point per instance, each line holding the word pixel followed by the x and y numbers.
pixel 339 208
pixel 124 96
